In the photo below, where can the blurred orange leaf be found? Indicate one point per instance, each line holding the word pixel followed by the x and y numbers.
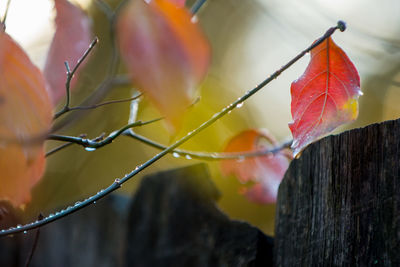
pixel 265 171
pixel 70 41
pixel 166 53
pixel 325 96
pixel 179 3
pixel 25 116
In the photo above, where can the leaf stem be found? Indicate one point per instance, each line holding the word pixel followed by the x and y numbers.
pixel 3 21
pixel 118 182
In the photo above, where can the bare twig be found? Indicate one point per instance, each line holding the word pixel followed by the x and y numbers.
pixel 196 6
pixel 56 149
pixel 105 86
pixel 59 148
pixel 95 143
pixel 35 242
pixel 209 155
pixel 70 75
pixel 105 103
pixel 111 79
pixel 118 182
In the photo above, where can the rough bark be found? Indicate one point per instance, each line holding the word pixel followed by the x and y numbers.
pixel 339 203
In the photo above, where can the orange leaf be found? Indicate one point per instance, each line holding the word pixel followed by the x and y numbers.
pixel 70 41
pixel 266 171
pixel 166 53
pixel 325 96
pixel 179 3
pixel 25 115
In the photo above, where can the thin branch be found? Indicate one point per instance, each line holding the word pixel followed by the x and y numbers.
pixel 35 242
pixel 70 75
pixel 95 143
pixel 103 87
pixel 110 79
pixel 196 6
pixel 118 182
pixel 61 147
pixel 105 103
pixel 56 149
pixel 209 155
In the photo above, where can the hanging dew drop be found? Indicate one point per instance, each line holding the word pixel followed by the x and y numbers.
pixel 25 232
pixel 188 157
pixel 239 105
pixel 176 155
pixel 90 149
pixel 194 19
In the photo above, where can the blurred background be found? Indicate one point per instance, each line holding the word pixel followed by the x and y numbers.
pixel 250 39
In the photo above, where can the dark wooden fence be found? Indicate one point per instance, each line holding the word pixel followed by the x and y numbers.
pixel 339 203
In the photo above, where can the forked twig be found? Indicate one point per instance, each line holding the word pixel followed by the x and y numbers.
pixel 70 75
pixel 95 143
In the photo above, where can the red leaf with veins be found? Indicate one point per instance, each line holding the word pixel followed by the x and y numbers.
pixel 71 39
pixel 166 53
pixel 265 171
pixel 25 117
pixel 325 96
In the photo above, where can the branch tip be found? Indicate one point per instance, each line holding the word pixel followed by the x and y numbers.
pixel 341 25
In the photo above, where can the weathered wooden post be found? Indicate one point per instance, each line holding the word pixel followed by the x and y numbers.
pixel 339 203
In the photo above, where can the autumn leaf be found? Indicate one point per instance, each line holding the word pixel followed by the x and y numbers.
pixel 179 3
pixel 166 53
pixel 325 96
pixel 265 171
pixel 25 117
pixel 70 41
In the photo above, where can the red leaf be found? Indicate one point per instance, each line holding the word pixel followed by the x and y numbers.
pixel 25 114
pixel 266 171
pixel 325 96
pixel 70 41
pixel 166 53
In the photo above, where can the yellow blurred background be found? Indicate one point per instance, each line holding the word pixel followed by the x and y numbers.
pixel 250 40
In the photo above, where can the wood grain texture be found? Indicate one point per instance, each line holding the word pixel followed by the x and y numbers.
pixel 339 203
